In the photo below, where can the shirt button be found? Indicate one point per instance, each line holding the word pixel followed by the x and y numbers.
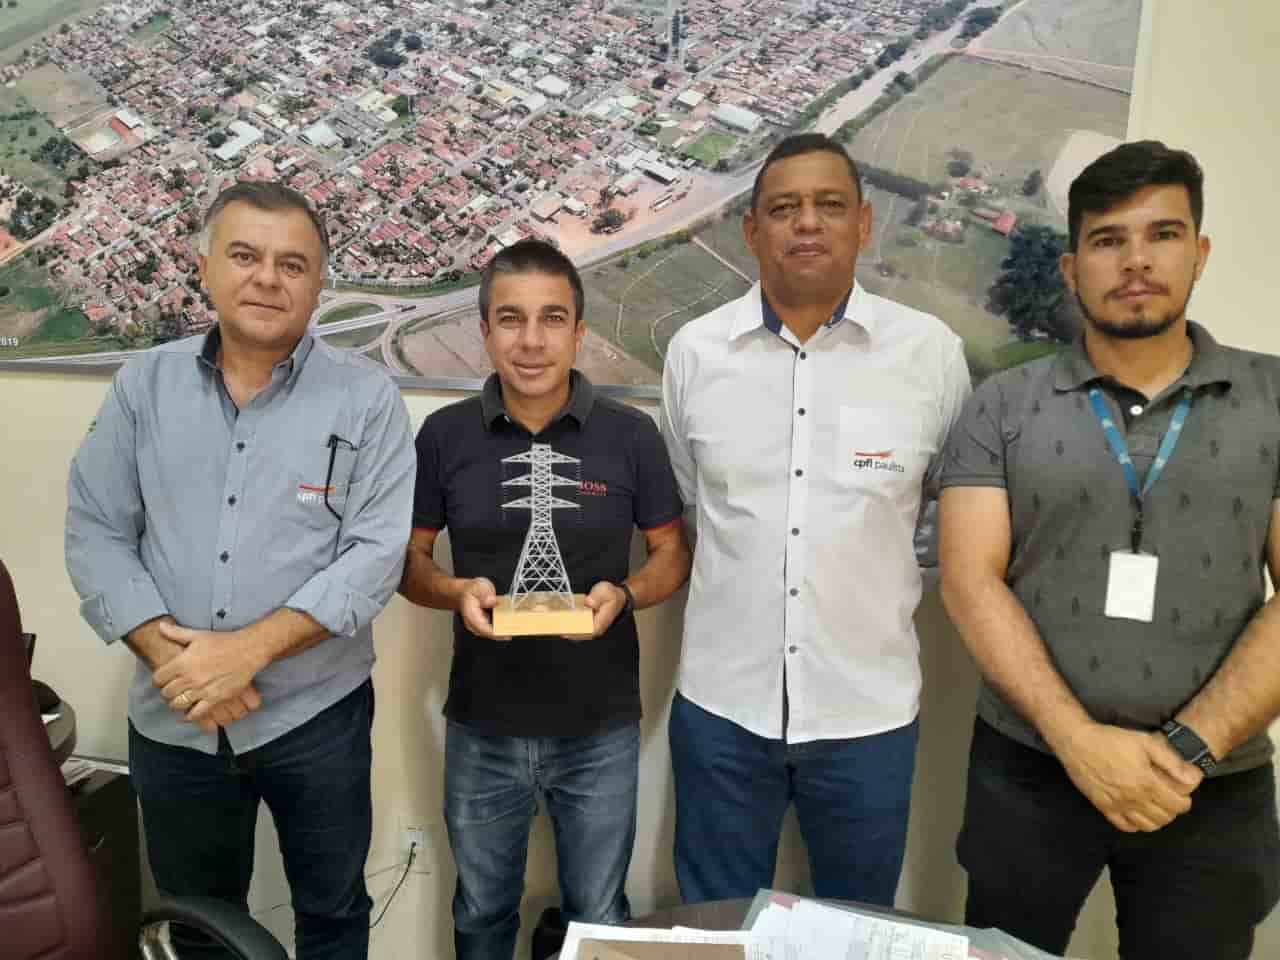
pixel 232 500
pixel 795 592
pixel 221 614
pixel 803 354
pixel 224 556
pixel 801 411
pixel 1136 410
pixel 793 648
pixel 799 473
pixel 240 445
pixel 795 531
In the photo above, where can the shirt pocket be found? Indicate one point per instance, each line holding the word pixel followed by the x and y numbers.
pixel 880 451
pixel 320 492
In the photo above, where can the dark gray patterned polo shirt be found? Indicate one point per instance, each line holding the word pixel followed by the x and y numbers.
pixel 1031 430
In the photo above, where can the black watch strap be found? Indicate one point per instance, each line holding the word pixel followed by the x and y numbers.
pixel 1189 746
pixel 631 599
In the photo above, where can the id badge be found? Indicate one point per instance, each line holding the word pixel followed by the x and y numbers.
pixel 1131 586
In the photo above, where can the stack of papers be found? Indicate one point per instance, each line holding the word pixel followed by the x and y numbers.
pixel 815 931
pixel 800 930
pixel 780 926
pixel 773 911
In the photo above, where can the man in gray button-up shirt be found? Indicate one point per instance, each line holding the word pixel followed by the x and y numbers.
pixel 238 515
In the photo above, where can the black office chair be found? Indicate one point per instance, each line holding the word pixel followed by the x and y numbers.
pixel 49 905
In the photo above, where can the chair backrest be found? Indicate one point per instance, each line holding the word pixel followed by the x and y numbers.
pixel 49 906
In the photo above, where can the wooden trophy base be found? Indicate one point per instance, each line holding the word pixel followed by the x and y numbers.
pixel 540 615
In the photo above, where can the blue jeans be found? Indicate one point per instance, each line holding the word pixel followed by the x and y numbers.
pixel 732 788
pixel 199 813
pixel 490 788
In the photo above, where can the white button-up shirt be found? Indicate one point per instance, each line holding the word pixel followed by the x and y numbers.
pixel 805 464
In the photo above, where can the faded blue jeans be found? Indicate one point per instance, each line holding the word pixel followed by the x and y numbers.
pixel 490 788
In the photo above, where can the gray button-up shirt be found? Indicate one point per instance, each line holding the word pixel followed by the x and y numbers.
pixel 1032 431
pixel 180 504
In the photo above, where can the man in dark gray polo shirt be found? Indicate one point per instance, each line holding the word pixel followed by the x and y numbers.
pixel 1106 521
pixel 238 514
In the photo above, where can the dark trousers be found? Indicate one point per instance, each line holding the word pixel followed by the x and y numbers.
pixel 852 798
pixel 1034 847
pixel 199 813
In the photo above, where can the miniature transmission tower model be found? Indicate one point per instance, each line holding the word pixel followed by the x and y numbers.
pixel 541 601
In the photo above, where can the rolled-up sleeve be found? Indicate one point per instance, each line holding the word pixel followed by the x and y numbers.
pixel 346 595
pixel 105 520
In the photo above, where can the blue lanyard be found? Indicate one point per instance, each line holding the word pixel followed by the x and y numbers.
pixel 1121 450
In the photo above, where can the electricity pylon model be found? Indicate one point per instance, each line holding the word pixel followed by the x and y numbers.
pixel 541 601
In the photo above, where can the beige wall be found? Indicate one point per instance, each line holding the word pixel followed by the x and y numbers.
pixel 1212 67
pixel 1206 90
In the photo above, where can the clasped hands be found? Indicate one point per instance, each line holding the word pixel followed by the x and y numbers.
pixel 1136 780
pixel 479 597
pixel 204 675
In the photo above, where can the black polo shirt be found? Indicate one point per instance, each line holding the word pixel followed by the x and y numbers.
pixel 544 686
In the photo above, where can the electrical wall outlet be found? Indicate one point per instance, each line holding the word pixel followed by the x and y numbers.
pixel 415 837
pixel 424 851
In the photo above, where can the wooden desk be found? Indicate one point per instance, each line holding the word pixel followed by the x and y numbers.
pixel 713 915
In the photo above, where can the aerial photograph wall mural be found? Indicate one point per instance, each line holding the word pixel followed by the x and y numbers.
pixel 431 134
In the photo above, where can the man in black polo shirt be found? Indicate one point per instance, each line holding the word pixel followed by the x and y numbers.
pixel 529 715
pixel 1107 519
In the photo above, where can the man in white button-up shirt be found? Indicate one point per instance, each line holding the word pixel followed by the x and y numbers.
pixel 803 421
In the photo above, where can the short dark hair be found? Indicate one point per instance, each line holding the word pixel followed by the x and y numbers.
pixel 798 145
pixel 1120 173
pixel 531 256
pixel 264 195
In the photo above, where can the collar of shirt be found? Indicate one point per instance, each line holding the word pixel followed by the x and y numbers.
pixel 758 312
pixel 1209 364
pixel 290 365
pixel 582 396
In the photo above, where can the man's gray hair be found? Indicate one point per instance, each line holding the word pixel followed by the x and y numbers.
pixel 264 195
